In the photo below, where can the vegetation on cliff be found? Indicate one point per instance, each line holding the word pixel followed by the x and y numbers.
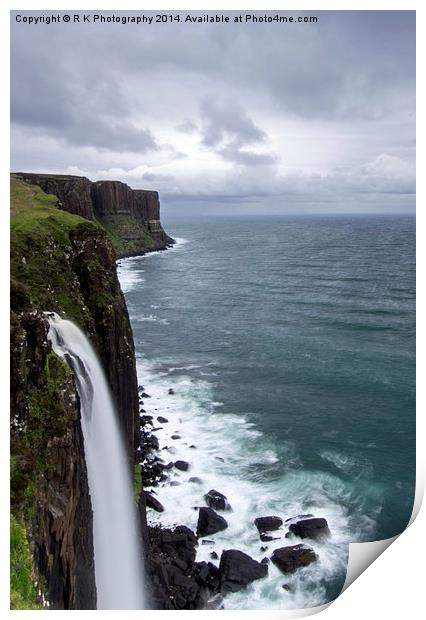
pixel 64 263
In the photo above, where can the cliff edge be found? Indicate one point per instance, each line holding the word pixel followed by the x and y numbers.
pixel 59 262
pixel 131 217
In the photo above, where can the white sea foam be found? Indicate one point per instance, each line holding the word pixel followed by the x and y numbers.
pixel 242 477
pixel 232 456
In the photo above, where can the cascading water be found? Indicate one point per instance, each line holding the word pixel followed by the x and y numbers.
pixel 118 563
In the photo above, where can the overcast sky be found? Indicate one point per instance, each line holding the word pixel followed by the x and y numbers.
pixel 231 117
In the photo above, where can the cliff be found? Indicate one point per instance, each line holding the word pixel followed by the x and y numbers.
pixel 131 217
pixel 64 263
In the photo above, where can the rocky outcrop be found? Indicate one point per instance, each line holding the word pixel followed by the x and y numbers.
pixel 237 570
pixel 74 193
pixel 316 528
pixel 131 217
pixel 268 524
pixel 209 522
pixel 289 559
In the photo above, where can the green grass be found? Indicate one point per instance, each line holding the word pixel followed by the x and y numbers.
pixel 137 482
pixel 120 226
pixel 41 247
pixel 23 594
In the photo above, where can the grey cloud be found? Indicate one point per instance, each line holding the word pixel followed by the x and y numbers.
pixel 222 120
pixel 187 126
pixel 228 129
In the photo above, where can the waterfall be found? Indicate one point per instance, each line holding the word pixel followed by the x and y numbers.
pixel 118 561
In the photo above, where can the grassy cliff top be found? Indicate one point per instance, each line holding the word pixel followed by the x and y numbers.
pixel 42 239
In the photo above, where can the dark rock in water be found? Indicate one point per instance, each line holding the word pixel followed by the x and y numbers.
pixel 217 500
pixel 288 588
pixel 207 541
pixel 298 518
pixel 141 388
pixel 237 570
pixel 195 480
pixel 264 548
pixel 175 437
pixel 268 524
pixel 169 465
pixel 219 458
pixel 264 561
pixel 267 538
pixel 209 522
pixel 193 447
pixel 162 420
pixel 171 391
pixel 182 465
pixel 145 395
pixel 289 559
pixel 214 555
pixel 152 502
pixel 310 528
pixel 174 483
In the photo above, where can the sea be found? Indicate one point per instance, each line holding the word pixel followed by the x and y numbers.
pixel 289 346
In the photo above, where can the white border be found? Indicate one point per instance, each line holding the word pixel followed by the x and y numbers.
pixel 393 586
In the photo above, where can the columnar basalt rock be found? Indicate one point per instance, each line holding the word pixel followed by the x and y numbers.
pixel 130 216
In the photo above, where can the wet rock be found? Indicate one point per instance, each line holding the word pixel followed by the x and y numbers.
pixel 219 458
pixel 268 524
pixel 237 570
pixel 152 502
pixel 162 420
pixel 264 561
pixel 182 465
pixel 145 395
pixel 217 500
pixel 169 465
pixel 315 528
pixel 207 541
pixel 288 588
pixel 216 602
pixel 174 483
pixel 175 437
pixel 264 548
pixel 209 522
pixel 298 518
pixel 171 391
pixel 193 447
pixel 289 559
pixel 214 555
pixel 195 480
pixel 267 538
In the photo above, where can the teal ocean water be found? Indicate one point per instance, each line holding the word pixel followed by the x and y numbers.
pixel 290 346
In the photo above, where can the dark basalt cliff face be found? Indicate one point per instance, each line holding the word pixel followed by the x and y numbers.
pixel 131 217
pixel 63 263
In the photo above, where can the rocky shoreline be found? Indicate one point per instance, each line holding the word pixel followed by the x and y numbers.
pixel 175 579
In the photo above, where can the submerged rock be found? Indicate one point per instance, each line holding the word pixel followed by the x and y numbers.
pixel 171 391
pixel 289 559
pixel 162 420
pixel 209 522
pixel 315 528
pixel 182 465
pixel 195 480
pixel 237 570
pixel 217 500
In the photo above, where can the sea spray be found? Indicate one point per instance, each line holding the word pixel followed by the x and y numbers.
pixel 118 556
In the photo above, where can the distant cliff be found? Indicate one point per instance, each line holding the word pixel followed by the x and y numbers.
pixel 131 217
pixel 64 263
